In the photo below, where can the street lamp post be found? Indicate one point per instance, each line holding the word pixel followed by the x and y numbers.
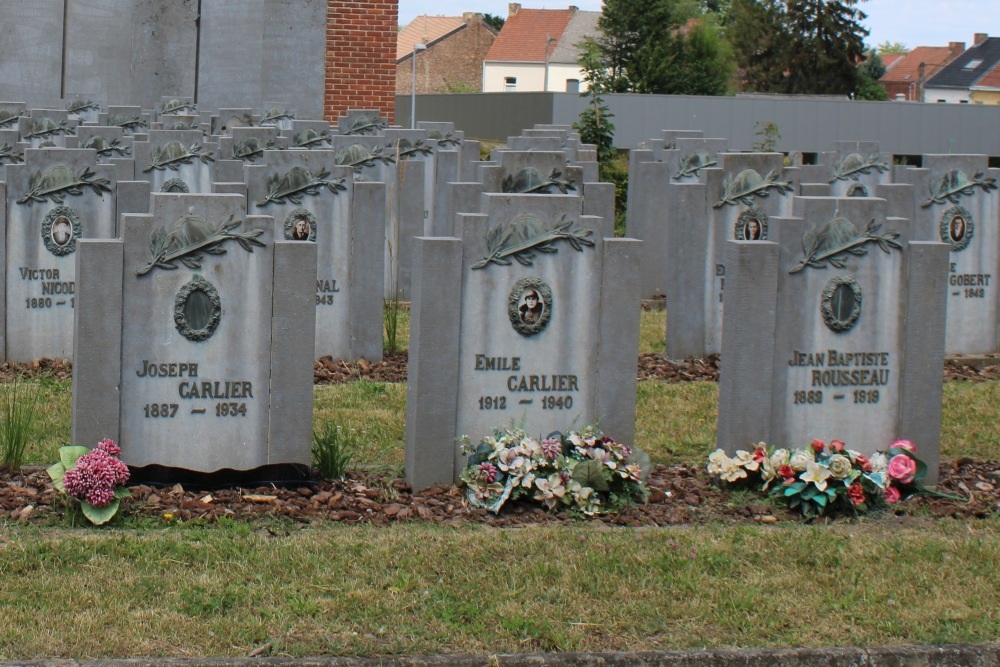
pixel 413 90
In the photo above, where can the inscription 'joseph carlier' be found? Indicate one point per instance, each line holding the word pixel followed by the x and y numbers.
pixel 204 389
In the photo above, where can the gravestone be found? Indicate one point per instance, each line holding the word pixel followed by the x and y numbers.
pixel 526 318
pixel 834 329
pixel 84 109
pixel 195 338
pixel 176 106
pixel 524 172
pixel 11 151
pixel 133 120
pixel 736 201
pixel 652 209
pixel 310 134
pixel 851 169
pixel 314 200
pixel 956 202
pixel 449 138
pixel 361 122
pixel 245 146
pixel 9 114
pixel 112 147
pixel 277 115
pixel 55 198
pixel 45 128
pixel 388 160
pixel 176 161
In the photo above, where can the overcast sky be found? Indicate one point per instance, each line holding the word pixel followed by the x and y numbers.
pixel 912 22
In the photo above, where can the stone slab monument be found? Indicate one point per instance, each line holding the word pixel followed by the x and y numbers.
pixel 194 338
pixel 55 198
pixel 528 317
pixel 957 203
pixel 834 329
pixel 314 200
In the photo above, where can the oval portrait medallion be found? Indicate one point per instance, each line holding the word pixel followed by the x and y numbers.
pixel 750 226
pixel 957 228
pixel 300 225
pixel 197 309
pixel 529 306
pixel 841 303
pixel 60 230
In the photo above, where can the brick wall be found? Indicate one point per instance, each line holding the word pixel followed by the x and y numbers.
pixel 452 65
pixel 360 57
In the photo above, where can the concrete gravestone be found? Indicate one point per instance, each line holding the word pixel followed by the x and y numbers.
pixel 46 127
pixel 834 330
pixel 195 338
pixel 735 202
pixel 176 161
pixel 55 198
pixel 957 203
pixel 528 318
pixel 312 199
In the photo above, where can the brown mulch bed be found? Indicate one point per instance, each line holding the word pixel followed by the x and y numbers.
pixel 679 495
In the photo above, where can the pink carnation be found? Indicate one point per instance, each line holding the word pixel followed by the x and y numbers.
pixel 96 474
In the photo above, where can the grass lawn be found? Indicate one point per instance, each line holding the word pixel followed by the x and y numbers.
pixel 144 589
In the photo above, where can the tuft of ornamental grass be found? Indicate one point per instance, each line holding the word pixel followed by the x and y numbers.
pixel 332 450
pixel 19 402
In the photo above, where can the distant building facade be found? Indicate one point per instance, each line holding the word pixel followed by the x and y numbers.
pixel 537 50
pixel 452 61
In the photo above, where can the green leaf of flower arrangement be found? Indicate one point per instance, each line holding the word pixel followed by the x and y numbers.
pixel 591 473
pixel 99 515
pixel 56 472
pixel 68 456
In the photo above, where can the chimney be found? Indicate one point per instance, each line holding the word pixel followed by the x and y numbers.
pixel 513 8
pixel 468 17
pixel 979 38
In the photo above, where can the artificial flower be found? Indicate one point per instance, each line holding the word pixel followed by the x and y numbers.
pixel 892 495
pixel 817 474
pixel 840 466
pixel 801 458
pixel 904 444
pixel 902 468
pixel 856 494
pixel 817 446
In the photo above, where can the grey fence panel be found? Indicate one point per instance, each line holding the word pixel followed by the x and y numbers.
pixel 31 51
pixel 805 124
pixel 486 115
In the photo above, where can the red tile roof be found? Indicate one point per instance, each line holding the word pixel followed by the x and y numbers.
pixel 523 36
pixel 890 59
pixel 424 29
pixel 989 80
pixel 907 68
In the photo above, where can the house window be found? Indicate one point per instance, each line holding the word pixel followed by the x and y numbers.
pixel 972 64
pixel 509 83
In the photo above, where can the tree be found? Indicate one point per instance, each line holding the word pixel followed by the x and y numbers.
pixel 495 22
pixel 870 71
pixel 797 46
pixel 888 47
pixel 646 47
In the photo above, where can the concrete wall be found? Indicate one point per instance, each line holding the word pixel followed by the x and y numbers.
pixel 805 124
pixel 224 53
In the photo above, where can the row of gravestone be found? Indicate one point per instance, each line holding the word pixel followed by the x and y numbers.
pixel 195 327
pixel 525 312
pixel 300 188
pixel 688 196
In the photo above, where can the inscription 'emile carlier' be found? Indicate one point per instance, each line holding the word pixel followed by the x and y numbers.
pixel 204 389
pixel 869 369
pixel 554 382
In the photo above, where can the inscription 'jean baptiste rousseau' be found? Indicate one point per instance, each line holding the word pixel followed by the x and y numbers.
pixel 844 369
pixel 204 389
